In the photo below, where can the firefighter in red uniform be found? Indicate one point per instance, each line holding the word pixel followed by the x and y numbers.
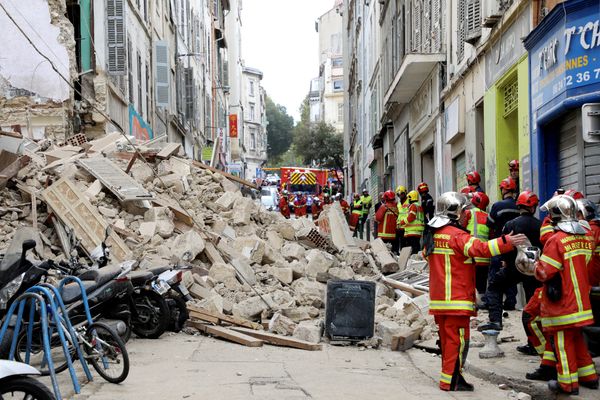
pixel 356 208
pixel 588 212
pixel 547 229
pixel 300 206
pixel 474 180
pixel 284 205
pixel 344 204
pixel 316 208
pixel 450 251
pixel 566 308
pixel 387 217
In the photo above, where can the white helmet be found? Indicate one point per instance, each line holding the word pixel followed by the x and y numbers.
pixel 588 208
pixel 562 210
pixel 449 207
pixel 285 192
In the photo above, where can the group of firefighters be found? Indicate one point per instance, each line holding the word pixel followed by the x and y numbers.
pixel 299 204
pixel 471 255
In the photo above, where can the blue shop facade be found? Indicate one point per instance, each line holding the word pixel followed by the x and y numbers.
pixel 564 75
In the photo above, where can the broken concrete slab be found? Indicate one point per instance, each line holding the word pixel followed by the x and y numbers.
pixel 387 263
pixel 283 275
pixel 244 271
pixel 220 272
pixel 187 246
pixel 386 330
pixel 227 199
pixel 309 293
pixel 274 239
pixel 293 251
pixel 309 331
pixel 281 324
pixel 249 308
pixel 251 247
pixel 319 262
pixel 405 338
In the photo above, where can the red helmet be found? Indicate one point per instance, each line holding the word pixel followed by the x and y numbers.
pixel 467 190
pixel 513 165
pixel 473 178
pixel 480 200
pixel 389 196
pixel 508 184
pixel 422 188
pixel 528 199
pixel 574 194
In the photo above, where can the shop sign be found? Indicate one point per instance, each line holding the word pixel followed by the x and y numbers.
pixel 233 125
pixel 567 58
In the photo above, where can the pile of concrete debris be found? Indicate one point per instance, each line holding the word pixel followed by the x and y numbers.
pixel 244 261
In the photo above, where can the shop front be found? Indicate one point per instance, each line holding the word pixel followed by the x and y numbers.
pixel 564 69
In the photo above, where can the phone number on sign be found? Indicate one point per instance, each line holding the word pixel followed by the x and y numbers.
pixel 575 79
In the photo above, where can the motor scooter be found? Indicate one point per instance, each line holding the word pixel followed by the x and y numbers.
pixel 16 380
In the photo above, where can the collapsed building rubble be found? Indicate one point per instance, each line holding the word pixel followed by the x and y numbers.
pixel 245 263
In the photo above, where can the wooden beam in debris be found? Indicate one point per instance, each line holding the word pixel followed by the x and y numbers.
pixel 200 313
pixel 228 334
pixel 225 174
pixel 168 151
pixel 279 340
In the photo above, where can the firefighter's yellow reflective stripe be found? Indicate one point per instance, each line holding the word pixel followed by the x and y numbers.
pixel 461 352
pixel 567 379
pixel 452 305
pixel 586 371
pixel 549 356
pixel 359 212
pixel 565 376
pixel 546 229
pixel 387 235
pixel 438 250
pixel 448 277
pixel 482 260
pixel 445 378
pixel 568 319
pixel 468 246
pixel 576 285
pixel 494 247
pixel 581 252
pixel 538 333
pixel 549 260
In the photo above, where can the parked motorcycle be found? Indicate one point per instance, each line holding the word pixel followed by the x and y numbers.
pixel 168 281
pixel 16 381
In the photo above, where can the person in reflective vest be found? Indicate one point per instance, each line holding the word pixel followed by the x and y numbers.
pixel 355 214
pixel 402 211
pixel 386 218
pixel 284 206
pixel 566 307
pixel 476 218
pixel 450 250
pixel 413 222
pixel 367 202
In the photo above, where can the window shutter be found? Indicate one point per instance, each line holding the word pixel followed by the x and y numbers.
pixel 115 29
pixel 162 73
pixel 460 35
pixel 189 93
pixel 473 21
pixel 436 26
pixel 416 23
pixel 426 25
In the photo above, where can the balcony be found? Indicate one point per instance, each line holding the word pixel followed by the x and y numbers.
pixel 411 75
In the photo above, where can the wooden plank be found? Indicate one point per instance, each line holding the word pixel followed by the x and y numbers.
pixel 205 318
pixel 76 212
pixel 225 174
pixel 225 318
pixel 212 253
pixel 168 150
pixel 131 162
pixel 228 334
pixel 279 340
pixel 179 213
pixel 402 286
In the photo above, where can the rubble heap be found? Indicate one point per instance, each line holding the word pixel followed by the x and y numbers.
pixel 244 261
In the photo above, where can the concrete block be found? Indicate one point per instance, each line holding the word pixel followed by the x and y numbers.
pixel 227 199
pixel 387 263
pixel 274 239
pixel 186 247
pixel 319 262
pixel 220 272
pixel 341 273
pixel 405 338
pixel 244 271
pixel 249 308
pixel 281 324
pixel 309 293
pixel 308 331
pixel 386 330
pixel 293 251
pixel 199 292
pixel 283 275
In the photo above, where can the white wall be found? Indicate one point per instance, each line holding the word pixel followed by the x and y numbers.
pixel 20 64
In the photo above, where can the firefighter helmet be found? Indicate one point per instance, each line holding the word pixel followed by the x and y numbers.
pixel 450 207
pixel 574 194
pixel 389 196
pixel 588 208
pixel 473 178
pixel 400 189
pixel 528 199
pixel 356 195
pixel 285 192
pixel 413 196
pixel 558 191
pixel 508 184
pixel 467 190
pixel 423 188
pixel 480 200
pixel 513 165
pixel 365 191
pixel 563 212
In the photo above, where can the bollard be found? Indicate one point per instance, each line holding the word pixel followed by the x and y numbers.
pixel 491 348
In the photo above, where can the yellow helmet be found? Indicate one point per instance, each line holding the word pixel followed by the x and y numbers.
pixel 400 189
pixel 413 196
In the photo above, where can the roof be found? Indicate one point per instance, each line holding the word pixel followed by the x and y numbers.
pixel 253 71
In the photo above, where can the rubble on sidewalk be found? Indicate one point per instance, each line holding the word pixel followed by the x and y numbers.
pixel 248 264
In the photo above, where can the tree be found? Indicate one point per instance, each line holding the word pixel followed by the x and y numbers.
pixel 279 130
pixel 319 142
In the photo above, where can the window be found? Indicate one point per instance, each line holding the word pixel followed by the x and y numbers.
pixel 460 168
pixel 337 63
pixel 340 117
pixel 130 70
pixel 139 84
pixel 116 37
pixel 251 86
pixel 253 139
pixel 338 85
pixel 251 116
pixel 162 73
pixel 462 30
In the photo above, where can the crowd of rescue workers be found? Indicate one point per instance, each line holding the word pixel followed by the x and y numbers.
pixel 472 264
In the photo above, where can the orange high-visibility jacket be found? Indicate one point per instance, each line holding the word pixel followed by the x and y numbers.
pixel 387 217
pixel 568 255
pixel 452 269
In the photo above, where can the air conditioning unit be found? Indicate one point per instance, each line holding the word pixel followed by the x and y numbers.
pixel 492 12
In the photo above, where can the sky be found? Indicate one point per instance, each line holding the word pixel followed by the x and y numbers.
pixel 279 38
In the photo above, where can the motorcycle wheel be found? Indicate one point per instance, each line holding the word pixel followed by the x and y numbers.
pixel 151 317
pixel 24 387
pixel 178 315
pixel 108 354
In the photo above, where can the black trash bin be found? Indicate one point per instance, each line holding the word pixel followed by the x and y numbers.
pixel 350 312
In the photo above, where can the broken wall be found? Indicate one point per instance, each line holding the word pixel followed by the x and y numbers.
pixel 32 94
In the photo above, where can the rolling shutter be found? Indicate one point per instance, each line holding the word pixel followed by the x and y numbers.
pixel 592 171
pixel 162 74
pixel 567 153
pixel 116 34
